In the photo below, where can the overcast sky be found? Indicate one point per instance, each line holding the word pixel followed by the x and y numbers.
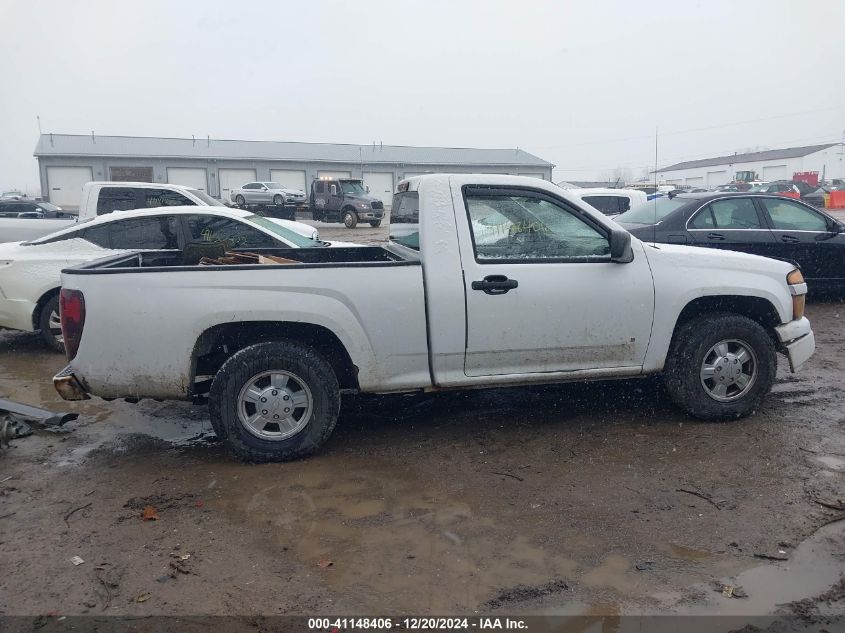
pixel 581 84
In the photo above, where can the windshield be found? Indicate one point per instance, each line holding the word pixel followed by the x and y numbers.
pixel 651 212
pixel 274 185
pixel 291 236
pixel 351 187
pixel 207 199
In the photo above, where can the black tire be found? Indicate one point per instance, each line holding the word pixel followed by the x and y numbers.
pixel 691 345
pixel 51 336
pixel 278 200
pixel 249 362
pixel 240 201
pixel 350 218
pixel 375 223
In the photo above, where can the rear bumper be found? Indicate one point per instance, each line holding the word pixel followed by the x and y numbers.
pixel 69 386
pixel 16 314
pixel 798 341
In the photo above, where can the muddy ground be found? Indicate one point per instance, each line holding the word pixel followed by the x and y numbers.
pixel 597 498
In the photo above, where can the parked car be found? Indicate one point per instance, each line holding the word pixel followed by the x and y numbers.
pixel 610 201
pixel 268 193
pixel 562 293
pixel 12 195
pixel 30 271
pixel 30 209
pixel 344 200
pixel 723 189
pixel 784 186
pixel 762 224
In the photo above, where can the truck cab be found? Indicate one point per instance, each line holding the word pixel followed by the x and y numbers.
pixel 344 200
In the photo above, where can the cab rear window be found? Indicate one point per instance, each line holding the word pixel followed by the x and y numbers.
pixel 405 219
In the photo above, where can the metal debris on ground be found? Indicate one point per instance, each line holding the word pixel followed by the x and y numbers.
pixel 76 560
pixel 144 597
pixel 41 417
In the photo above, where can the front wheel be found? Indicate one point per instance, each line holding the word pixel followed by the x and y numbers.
pixel 274 401
pixel 51 325
pixel 350 219
pixel 720 366
pixel 375 223
pixel 278 200
pixel 239 200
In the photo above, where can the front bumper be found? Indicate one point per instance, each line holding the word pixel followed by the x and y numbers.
pixel 798 341
pixel 68 385
pixel 370 215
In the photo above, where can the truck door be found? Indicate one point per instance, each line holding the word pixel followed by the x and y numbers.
pixel 335 197
pixel 541 292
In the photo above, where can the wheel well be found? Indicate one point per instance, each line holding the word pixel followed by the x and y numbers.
pixel 349 207
pixel 39 306
pixel 755 308
pixel 217 344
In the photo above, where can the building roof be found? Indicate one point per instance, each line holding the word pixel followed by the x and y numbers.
pixel 770 154
pixel 137 146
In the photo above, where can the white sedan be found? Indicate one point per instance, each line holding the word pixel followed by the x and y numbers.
pixel 30 272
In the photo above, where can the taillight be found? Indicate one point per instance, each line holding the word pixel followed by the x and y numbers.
pixel 72 311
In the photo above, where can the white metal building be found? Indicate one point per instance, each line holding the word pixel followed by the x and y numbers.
pixel 775 164
pixel 68 161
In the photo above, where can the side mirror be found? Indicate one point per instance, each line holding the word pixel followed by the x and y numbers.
pixel 334 190
pixel 620 247
pixel 263 188
pixel 368 188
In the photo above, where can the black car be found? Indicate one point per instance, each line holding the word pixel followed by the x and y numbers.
pixel 30 209
pixel 762 224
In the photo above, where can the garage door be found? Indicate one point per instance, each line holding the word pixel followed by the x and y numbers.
pixel 716 178
pixel 695 182
pixel 774 172
pixel 334 174
pixel 381 185
pixel 290 178
pixel 64 185
pixel 188 176
pixel 232 179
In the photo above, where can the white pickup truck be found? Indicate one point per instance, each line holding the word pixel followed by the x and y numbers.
pixel 487 281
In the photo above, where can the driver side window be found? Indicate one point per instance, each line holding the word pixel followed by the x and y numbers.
pixel 528 227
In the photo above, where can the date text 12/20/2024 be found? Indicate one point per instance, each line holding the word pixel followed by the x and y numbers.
pixel 336 625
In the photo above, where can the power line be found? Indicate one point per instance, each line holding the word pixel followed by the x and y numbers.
pixel 673 159
pixel 698 129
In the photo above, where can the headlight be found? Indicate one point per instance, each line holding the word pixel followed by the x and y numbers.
pixel 315 236
pixel 364 205
pixel 798 290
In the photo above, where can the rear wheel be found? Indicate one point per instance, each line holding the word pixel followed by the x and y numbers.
pixel 274 401
pixel 51 325
pixel 720 366
pixel 350 219
pixel 375 223
pixel 278 200
pixel 239 200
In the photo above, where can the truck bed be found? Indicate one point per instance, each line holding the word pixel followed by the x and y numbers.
pixel 162 261
pixel 149 316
